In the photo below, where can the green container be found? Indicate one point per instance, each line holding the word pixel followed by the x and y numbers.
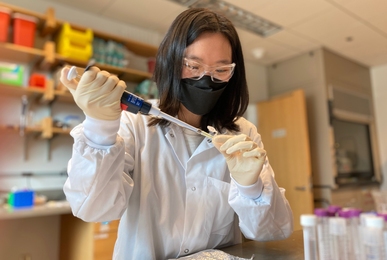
pixel 11 74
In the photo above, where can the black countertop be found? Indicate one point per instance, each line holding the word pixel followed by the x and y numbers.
pixel 291 248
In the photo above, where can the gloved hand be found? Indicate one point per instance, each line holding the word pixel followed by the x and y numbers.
pixel 98 93
pixel 243 156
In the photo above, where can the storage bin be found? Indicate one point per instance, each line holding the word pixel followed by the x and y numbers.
pixel 21 198
pixel 24 29
pixel 11 74
pixel 80 52
pixel 37 80
pixel 5 14
pixel 76 36
pixel 75 44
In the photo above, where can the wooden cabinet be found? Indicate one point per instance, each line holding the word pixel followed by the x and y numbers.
pixel 81 240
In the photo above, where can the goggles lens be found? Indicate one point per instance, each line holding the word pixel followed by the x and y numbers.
pixel 196 70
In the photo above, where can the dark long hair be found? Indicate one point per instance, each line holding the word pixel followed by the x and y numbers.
pixel 185 29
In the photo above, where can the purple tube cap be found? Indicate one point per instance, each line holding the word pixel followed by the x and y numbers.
pixel 322 212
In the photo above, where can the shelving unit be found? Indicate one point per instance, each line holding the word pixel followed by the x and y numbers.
pixel 87 240
pixel 44 95
pixel 47 59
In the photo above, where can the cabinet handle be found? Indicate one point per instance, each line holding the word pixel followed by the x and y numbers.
pixel 300 188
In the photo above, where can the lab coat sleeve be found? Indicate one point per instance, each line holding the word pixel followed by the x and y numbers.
pixel 97 187
pixel 263 210
pixel 266 217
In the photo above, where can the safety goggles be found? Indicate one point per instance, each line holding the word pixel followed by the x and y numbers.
pixel 196 70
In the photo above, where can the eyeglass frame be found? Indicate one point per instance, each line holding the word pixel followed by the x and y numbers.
pixel 232 65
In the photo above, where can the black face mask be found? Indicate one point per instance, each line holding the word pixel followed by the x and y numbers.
pixel 200 96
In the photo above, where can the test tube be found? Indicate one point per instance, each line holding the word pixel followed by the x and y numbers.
pixel 362 226
pixel 338 232
pixel 354 232
pixel 373 238
pixel 308 223
pixel 323 238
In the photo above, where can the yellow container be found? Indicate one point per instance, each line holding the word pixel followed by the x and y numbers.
pixel 75 44
pixel 68 49
pixel 76 36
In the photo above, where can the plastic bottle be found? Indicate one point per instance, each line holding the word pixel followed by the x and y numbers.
pixel 309 223
pixel 338 232
pixel 373 238
pixel 324 246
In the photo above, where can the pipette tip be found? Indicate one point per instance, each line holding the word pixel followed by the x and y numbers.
pixel 205 134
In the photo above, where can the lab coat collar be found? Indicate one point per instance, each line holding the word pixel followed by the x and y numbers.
pixel 175 136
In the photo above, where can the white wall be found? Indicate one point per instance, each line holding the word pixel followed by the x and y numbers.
pixel 379 85
pixel 258 88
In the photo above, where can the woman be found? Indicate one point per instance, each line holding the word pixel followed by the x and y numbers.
pixel 174 191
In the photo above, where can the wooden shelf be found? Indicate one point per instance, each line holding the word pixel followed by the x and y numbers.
pixel 34 129
pixel 15 128
pixel 63 96
pixel 37 92
pixel 17 53
pixel 18 91
pixel 125 74
pixel 63 131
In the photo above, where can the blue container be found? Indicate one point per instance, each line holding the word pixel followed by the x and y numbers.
pixel 21 199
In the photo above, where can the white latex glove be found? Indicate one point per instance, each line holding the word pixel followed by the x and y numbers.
pixel 98 93
pixel 243 156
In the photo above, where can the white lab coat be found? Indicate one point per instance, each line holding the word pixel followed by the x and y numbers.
pixel 170 204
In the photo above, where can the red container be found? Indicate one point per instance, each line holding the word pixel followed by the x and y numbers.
pixel 24 29
pixel 151 65
pixel 37 80
pixel 5 14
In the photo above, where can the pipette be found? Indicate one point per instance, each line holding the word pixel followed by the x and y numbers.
pixel 135 104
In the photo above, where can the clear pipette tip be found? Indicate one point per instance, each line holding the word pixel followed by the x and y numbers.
pixel 203 133
pixel 184 124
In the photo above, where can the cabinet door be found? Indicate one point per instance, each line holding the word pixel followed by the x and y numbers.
pixel 282 123
pixel 104 245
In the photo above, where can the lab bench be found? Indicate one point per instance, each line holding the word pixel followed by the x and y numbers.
pixel 291 248
pixel 47 209
pixel 32 232
pixel 51 232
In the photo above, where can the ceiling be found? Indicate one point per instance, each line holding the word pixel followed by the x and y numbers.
pixel 356 29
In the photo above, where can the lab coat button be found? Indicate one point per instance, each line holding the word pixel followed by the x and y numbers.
pixel 186 251
pixel 193 188
pixel 172 135
pixel 209 141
